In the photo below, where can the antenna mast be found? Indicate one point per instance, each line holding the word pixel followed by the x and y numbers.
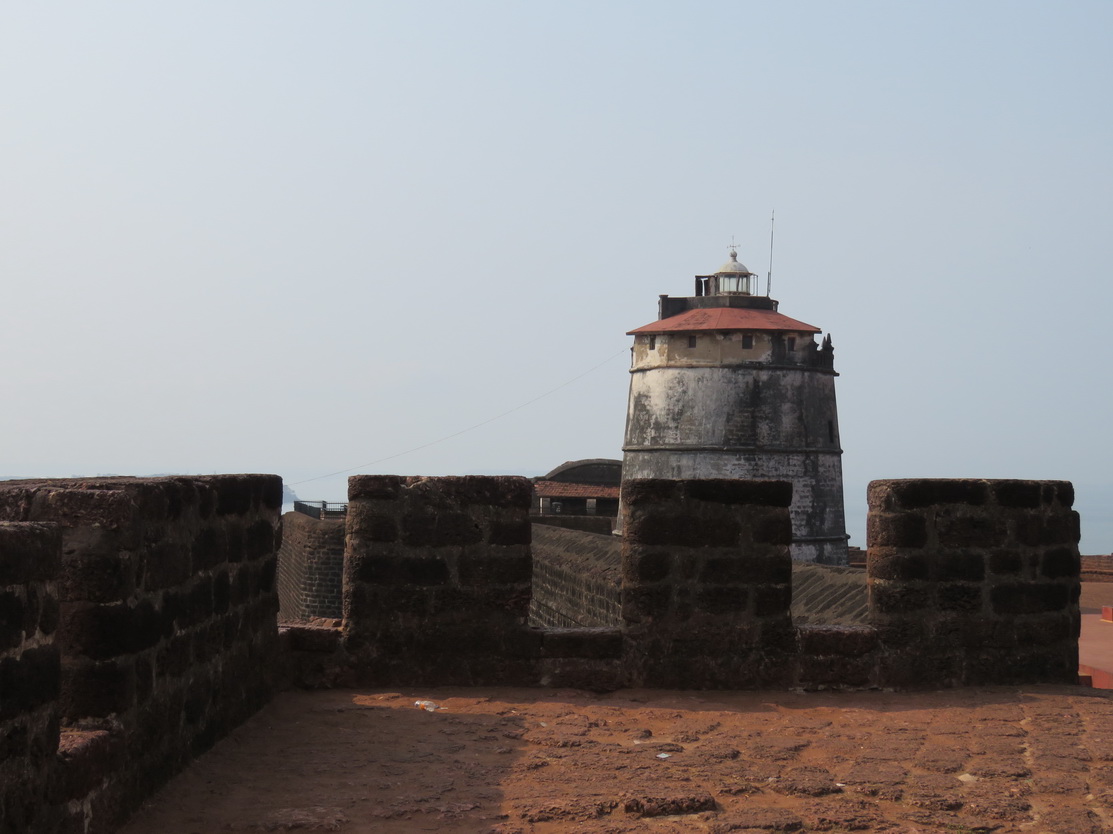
pixel 769 274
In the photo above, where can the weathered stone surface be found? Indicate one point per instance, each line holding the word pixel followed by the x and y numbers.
pixel 1018 493
pixel 916 494
pixel 988 570
pixel 695 583
pixel 896 530
pixel 385 487
pixel 844 641
pixel 664 527
pixel 454 584
pixel 150 607
pixel 594 643
pixel 31 553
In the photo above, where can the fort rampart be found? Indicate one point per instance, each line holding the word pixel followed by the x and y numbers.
pixel 29 672
pixel 970 581
pixel 140 616
pixel 974 582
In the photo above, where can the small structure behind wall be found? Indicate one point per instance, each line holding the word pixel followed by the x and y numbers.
pixel 578 494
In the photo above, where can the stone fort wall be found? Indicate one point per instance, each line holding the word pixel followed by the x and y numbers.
pixel 30 672
pixel 138 616
pixel 310 567
pixel 577 579
pixel 970 581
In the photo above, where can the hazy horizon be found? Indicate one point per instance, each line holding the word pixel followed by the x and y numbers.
pixel 293 238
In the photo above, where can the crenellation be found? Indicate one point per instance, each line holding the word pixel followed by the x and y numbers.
pixel 986 564
pixel 117 665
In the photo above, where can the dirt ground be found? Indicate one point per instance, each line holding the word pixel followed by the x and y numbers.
pixel 520 761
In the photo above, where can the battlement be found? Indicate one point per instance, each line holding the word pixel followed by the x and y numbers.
pixel 969 582
pixel 138 616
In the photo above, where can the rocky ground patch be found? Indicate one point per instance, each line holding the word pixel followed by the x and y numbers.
pixel 1036 759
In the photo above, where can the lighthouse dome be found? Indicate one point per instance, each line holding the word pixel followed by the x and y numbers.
pixel 733 267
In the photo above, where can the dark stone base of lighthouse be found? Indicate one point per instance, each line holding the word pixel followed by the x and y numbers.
pixel 817 495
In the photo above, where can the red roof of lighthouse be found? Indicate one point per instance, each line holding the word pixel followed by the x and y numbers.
pixel 725 318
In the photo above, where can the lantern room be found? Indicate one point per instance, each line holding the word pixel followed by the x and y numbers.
pixel 732 278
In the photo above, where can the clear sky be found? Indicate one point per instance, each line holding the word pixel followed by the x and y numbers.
pixel 303 237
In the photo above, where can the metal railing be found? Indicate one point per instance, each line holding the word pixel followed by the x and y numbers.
pixel 321 509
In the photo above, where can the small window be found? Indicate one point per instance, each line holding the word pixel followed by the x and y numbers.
pixel 790 343
pixel 691 341
pixel 831 430
pixel 747 341
pixel 653 343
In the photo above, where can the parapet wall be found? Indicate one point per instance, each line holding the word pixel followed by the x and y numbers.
pixel 166 625
pixel 311 567
pixel 437 580
pixel 30 556
pixel 974 581
pixel 971 582
pixel 707 583
pixel 138 617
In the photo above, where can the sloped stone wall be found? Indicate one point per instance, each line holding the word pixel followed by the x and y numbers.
pixel 601 524
pixel 311 567
pixel 577 579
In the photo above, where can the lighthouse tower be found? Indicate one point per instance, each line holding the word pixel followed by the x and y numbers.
pixel 722 385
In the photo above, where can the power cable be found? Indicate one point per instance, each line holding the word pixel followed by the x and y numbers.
pixel 469 428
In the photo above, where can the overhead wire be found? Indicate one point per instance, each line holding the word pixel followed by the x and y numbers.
pixel 519 407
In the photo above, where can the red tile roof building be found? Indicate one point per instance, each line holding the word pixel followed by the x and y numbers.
pixel 579 487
